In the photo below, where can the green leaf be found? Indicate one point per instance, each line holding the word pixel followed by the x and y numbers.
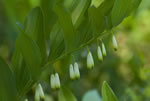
pixel 97 20
pixel 57 45
pixel 49 15
pixel 107 93
pixel 70 5
pixel 8 90
pixel 70 35
pixel 91 95
pixel 31 54
pixel 122 9
pixel 97 16
pixel 20 69
pixel 79 11
pixel 34 27
pixel 66 95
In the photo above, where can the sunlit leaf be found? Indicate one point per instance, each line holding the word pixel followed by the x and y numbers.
pixel 107 93
pixel 79 11
pixel 66 95
pixel 57 45
pixel 121 9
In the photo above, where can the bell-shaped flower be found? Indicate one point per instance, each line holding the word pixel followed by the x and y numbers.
pixel 99 53
pixel 76 70
pixel 37 95
pixel 26 99
pixel 41 92
pixel 57 80
pixel 104 50
pixel 114 41
pixel 52 81
pixel 90 61
pixel 71 72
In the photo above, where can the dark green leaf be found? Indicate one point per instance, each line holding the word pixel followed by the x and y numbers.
pixel 49 15
pixel 31 54
pixel 8 90
pixel 97 20
pixel 34 27
pixel 98 16
pixel 21 72
pixel 70 35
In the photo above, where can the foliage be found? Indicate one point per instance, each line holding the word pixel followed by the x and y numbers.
pixel 58 28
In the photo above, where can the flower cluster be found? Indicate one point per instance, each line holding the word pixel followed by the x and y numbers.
pixel 55 81
pixel 100 53
pixel 39 94
pixel 74 71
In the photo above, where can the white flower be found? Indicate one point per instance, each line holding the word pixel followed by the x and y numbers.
pixel 103 49
pixel 76 70
pixel 41 91
pixel 57 80
pixel 71 72
pixel 37 95
pixel 99 53
pixel 90 61
pixel 53 83
pixel 114 41
pixel 26 99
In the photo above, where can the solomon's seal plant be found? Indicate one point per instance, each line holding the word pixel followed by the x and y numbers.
pixel 56 29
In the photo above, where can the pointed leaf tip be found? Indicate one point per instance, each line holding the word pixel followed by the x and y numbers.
pixel 107 93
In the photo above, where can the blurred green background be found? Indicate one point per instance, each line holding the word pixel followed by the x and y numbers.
pixel 127 71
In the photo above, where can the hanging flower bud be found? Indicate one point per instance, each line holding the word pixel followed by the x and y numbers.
pixel 90 61
pixel 114 41
pixel 53 83
pixel 26 99
pixel 41 93
pixel 99 53
pixel 57 80
pixel 71 72
pixel 37 95
pixel 76 70
pixel 103 49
